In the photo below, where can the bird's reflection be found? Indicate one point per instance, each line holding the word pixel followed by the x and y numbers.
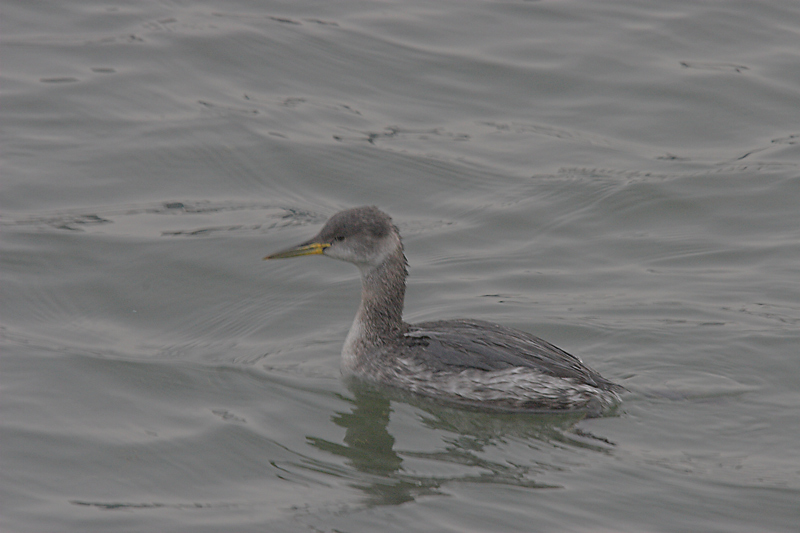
pixel 370 447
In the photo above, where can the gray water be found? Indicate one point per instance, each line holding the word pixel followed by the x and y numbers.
pixel 621 178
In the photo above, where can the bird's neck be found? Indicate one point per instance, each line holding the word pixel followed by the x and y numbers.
pixel 380 315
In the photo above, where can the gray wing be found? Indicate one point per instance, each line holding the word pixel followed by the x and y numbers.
pixel 454 345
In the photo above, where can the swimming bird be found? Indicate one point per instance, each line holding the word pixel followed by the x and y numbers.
pixel 463 361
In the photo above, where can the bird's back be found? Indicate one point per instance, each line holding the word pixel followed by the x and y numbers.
pixel 457 345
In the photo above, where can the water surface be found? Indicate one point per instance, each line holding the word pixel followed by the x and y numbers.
pixel 620 178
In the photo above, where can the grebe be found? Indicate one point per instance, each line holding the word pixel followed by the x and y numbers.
pixel 463 361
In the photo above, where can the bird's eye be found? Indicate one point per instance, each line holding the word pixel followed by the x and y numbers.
pixel 339 238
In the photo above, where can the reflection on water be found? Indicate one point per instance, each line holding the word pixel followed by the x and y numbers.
pixel 369 446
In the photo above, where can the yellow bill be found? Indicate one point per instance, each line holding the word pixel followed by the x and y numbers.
pixel 312 248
